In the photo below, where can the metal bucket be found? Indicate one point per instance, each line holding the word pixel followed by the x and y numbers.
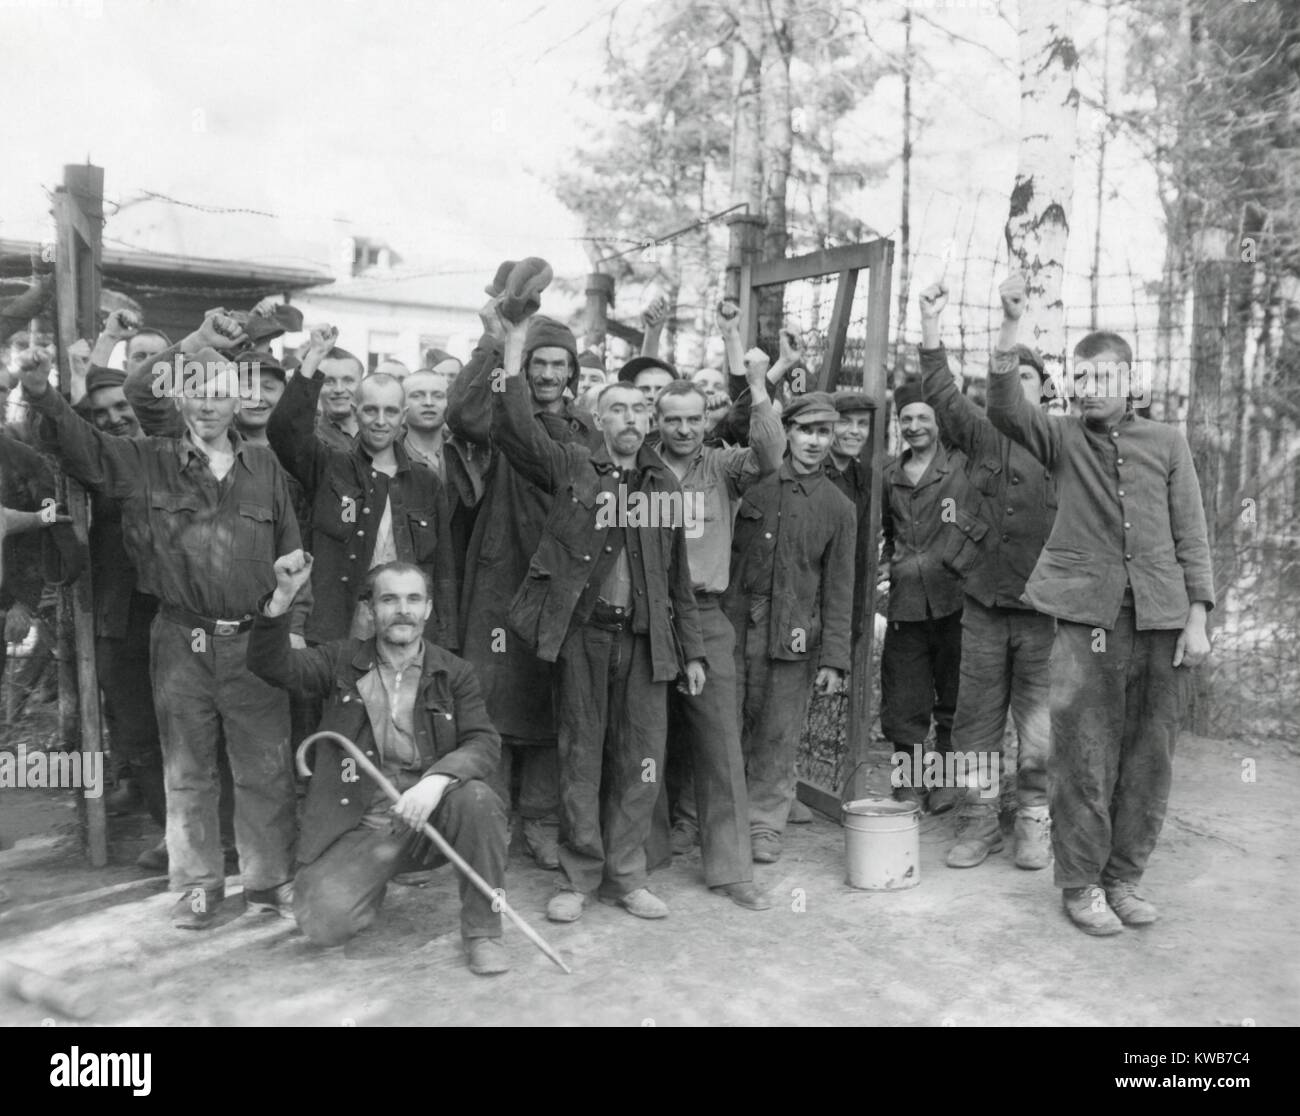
pixel 882 844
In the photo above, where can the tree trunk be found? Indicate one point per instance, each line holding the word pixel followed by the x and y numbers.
pixel 1038 225
pixel 746 132
pixel 778 144
pixel 905 221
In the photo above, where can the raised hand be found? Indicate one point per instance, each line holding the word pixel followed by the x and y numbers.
pixel 34 372
pixel 934 299
pixel 122 324
pixel 322 339
pixel 728 316
pixel 1014 296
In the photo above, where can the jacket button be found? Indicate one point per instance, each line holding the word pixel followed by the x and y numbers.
pixel 344 578
pixel 1006 538
pixel 365 510
pixel 1127 526
pixel 360 532
pixel 767 534
pixel 1011 511
pixel 370 753
pixel 1015 480
pixel 1119 461
pixel 424 523
pixel 343 801
pixel 1114 433
pixel 609 550
pixel 1121 492
pixel 1128 557
pixel 347 697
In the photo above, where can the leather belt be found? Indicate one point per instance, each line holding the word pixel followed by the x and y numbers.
pixel 610 617
pixel 190 619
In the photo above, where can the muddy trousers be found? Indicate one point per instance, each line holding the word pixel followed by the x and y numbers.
pixel 1117 701
pixel 203 690
pixel 774 695
pixel 339 893
pixel 920 670
pixel 712 794
pixel 613 724
pixel 1005 656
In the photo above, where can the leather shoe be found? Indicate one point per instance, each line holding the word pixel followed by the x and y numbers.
pixel 565 906
pixel 542 837
pixel 126 799
pixel 1133 910
pixel 1088 910
pixel 685 836
pixel 642 902
pixel 154 859
pixel 272 900
pixel 487 956
pixel 197 908
pixel 766 847
pixel 943 799
pixel 745 895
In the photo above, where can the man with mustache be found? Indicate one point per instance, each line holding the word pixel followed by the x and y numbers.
pixel 930 541
pixel 416 710
pixel 517 685
pixel 608 599
pixel 370 503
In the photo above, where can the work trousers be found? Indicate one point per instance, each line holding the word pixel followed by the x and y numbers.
pixel 1117 700
pixel 124 681
pixel 1005 657
pixel 711 793
pixel 203 690
pixel 774 695
pixel 339 893
pixel 920 670
pixel 613 723
pixel 538 765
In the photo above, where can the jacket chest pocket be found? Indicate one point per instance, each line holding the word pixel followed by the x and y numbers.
pixel 961 548
pixel 255 532
pixel 176 520
pixel 440 713
pixel 338 509
pixel 749 528
pixel 423 525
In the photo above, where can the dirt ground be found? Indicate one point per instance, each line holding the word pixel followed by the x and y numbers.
pixel 964 948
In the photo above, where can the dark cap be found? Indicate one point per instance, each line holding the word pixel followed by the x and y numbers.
pixel 848 401
pixel 907 393
pixel 588 359
pixel 101 377
pixel 812 406
pixel 1026 355
pixel 263 362
pixel 546 332
pixel 628 373
pixel 435 357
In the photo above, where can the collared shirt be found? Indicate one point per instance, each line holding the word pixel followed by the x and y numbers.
pixel 332 434
pixel 618 576
pixel 390 695
pixel 1130 513
pixel 712 486
pixel 924 532
pixel 198 543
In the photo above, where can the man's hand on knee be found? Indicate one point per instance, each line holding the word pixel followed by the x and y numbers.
pixel 416 804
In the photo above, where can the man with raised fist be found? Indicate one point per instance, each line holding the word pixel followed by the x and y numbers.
pixel 416 711
pixel 1005 643
pixel 204 517
pixel 1126 573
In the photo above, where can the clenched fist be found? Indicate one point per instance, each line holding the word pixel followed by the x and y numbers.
pixel 34 372
pixel 934 299
pixel 292 572
pixel 1014 296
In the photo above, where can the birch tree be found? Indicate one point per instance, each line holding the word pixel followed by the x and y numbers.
pixel 1038 225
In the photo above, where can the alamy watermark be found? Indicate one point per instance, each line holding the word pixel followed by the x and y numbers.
pixel 982 770
pixel 651 509
pixel 1103 379
pixel 195 379
pixel 68 770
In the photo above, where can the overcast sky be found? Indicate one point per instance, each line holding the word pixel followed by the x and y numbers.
pixel 435 124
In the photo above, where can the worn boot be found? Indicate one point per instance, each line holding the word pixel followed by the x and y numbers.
pixel 1089 911
pixel 542 836
pixel 1132 908
pixel 1033 837
pixel 978 834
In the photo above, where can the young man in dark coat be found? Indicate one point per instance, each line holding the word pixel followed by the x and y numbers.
pixel 417 712
pixel 788 598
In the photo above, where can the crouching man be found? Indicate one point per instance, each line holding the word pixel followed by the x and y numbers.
pixel 417 712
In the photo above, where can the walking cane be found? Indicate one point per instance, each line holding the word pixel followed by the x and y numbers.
pixel 498 897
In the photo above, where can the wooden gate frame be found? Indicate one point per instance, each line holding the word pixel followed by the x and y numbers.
pixel 877 259
pixel 79 219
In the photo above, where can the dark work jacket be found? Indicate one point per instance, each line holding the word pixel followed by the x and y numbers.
pixel 794 540
pixel 26 482
pixel 1130 513
pixel 507 530
pixel 1014 492
pixel 346 508
pixel 452 729
pixel 931 533
pixel 854 480
pixel 574 535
